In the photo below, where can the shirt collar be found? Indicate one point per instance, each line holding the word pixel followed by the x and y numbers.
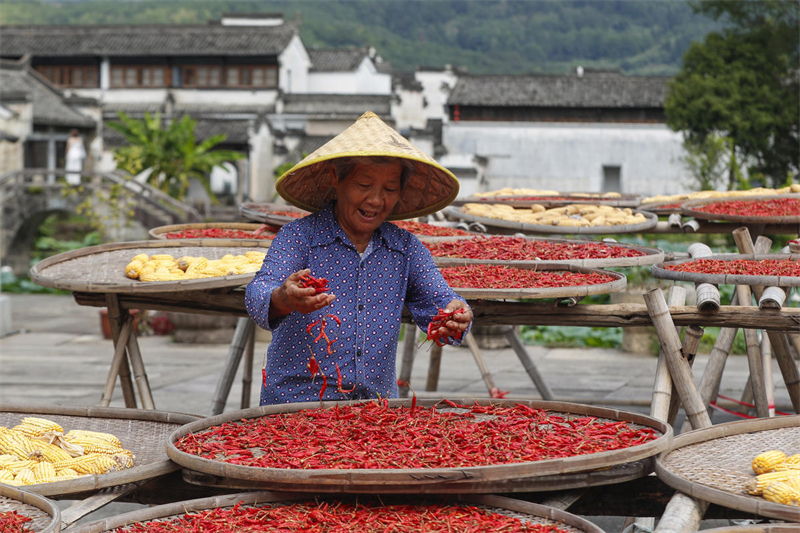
pixel 327 230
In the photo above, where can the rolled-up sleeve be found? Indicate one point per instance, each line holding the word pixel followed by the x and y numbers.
pixel 284 257
pixel 427 289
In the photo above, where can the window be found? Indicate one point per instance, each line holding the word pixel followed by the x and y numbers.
pixel 252 76
pixel 70 75
pixel 611 179
pixel 202 76
pixel 139 76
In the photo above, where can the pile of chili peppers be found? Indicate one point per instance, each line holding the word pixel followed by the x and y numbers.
pixel 420 228
pixel 503 277
pixel 740 267
pixel 372 435
pixel 13 522
pixel 520 249
pixel 320 285
pixel 286 213
pixel 438 322
pixel 264 232
pixel 780 207
pixel 337 517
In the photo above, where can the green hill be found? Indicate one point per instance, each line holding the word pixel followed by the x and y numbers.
pixel 486 36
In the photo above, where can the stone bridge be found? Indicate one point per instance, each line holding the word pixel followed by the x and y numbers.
pixel 124 209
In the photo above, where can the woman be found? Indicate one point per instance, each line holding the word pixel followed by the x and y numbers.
pixel 75 155
pixel 355 182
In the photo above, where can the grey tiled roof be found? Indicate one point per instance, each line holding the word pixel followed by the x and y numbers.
pixel 336 60
pixel 49 107
pixel 345 106
pixel 146 40
pixel 235 131
pixel 407 81
pixel 593 89
pixel 194 110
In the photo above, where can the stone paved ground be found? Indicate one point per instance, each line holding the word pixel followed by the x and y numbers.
pixel 57 355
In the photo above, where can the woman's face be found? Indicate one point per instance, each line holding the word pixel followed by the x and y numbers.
pixel 366 197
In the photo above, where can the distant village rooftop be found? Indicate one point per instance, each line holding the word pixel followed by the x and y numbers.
pixel 337 60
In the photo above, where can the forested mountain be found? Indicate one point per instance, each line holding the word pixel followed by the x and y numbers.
pixel 485 36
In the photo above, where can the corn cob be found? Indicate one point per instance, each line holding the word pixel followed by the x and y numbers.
pixel 44 470
pixel 13 483
pixel 106 437
pixel 133 269
pixel 793 461
pixel 92 463
pixel 144 258
pixel 25 476
pixel 20 465
pixel 124 459
pixel 48 452
pixel 67 473
pixel 794 482
pixel 780 492
pixel 161 257
pixel 8 458
pixel 759 483
pixel 767 462
pixel 36 427
pixel 17 444
pixel 6 475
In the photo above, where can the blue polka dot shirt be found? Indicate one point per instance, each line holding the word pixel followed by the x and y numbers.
pixel 395 270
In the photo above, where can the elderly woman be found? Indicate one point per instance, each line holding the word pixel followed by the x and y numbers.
pixel 355 182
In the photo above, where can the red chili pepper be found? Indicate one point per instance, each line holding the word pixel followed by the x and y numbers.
pixel 420 228
pixel 438 322
pixel 319 285
pixel 13 522
pixel 324 386
pixel 339 381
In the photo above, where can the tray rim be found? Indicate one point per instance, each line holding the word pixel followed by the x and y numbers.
pixel 419 479
pixel 624 200
pixel 36 500
pixel 659 272
pixel 96 482
pixel 158 232
pixel 731 500
pixel 617 285
pixel 652 255
pixel 247 210
pixel 652 220
pixel 686 209
pixel 150 286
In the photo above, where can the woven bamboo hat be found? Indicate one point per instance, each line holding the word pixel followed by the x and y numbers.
pixel 429 188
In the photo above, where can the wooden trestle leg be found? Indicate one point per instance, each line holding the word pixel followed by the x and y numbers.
pixel 117 317
pixel 241 336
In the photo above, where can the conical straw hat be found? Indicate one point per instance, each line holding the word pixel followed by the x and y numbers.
pixel 429 188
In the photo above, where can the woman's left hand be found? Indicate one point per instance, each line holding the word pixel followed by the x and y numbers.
pixel 459 322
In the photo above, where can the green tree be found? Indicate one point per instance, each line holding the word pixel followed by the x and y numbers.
pixel 742 84
pixel 171 151
pixel 707 161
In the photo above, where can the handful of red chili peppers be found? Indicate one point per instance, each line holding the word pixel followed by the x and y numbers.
pixel 319 285
pixel 338 517
pixel 438 322
pixel 13 522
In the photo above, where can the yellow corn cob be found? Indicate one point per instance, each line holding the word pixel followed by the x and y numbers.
pixel 124 460
pixel 49 452
pixel 780 492
pixel 13 483
pixel 6 475
pixel 95 446
pixel 44 470
pixel 36 427
pixel 794 482
pixel 759 483
pixel 161 257
pixel 98 435
pixel 16 444
pixel 67 473
pixel 767 461
pixel 8 458
pixel 20 465
pixel 144 258
pixel 133 269
pixel 793 462
pixel 92 463
pixel 26 476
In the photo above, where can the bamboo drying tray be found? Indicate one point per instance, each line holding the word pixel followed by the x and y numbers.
pixel 101 268
pixel 143 432
pixel 714 464
pixel 652 256
pixel 262 212
pixel 624 200
pixel 660 272
pixel 659 209
pixel 756 528
pixel 161 231
pixel 516 477
pixel 525 511
pixel 687 208
pixel 650 223
pixel 44 514
pixel 617 285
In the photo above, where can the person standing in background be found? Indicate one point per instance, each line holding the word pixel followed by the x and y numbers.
pixel 76 153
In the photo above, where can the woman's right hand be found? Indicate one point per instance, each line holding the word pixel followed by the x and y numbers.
pixel 290 296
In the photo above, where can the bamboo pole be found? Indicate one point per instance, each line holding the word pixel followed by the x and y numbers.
pixel 766 361
pixel 247 369
pixel 139 373
pixel 528 364
pixel 472 344
pixel 244 326
pixel 682 515
pixel 691 341
pixel 433 368
pixel 116 317
pixel 116 362
pixel 663 388
pixel 754 360
pixel 676 362
pixel 407 363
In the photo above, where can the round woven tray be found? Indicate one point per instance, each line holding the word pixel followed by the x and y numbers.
pixel 660 272
pixel 659 209
pixel 44 514
pixel 102 268
pixel 756 528
pixel 516 477
pixel 714 464
pixel 652 256
pixel 263 212
pixel 142 432
pixel 650 223
pixel 688 209
pixel 625 200
pixel 161 231
pixel 618 284
pixel 526 511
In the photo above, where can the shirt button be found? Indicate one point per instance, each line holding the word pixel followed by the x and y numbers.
pixel 358 353
pixel 360 307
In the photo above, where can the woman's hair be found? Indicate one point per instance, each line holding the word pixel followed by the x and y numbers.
pixel 74 133
pixel 343 167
